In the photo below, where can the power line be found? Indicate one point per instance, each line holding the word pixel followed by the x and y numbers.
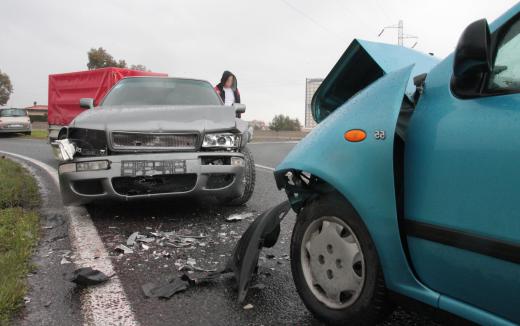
pixel 401 36
pixel 314 21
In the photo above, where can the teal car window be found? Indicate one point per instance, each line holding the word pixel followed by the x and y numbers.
pixel 506 70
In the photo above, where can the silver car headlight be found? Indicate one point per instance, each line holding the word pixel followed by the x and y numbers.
pixel 221 140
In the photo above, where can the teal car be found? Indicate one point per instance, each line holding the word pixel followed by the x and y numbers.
pixel 409 187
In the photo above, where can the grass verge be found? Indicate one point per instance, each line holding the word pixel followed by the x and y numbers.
pixel 39 134
pixel 19 228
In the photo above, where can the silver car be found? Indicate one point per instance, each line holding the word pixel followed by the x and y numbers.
pixel 155 137
pixel 14 120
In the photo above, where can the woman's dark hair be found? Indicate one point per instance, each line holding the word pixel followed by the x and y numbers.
pixel 225 77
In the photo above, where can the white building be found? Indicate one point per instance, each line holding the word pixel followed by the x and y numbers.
pixel 311 85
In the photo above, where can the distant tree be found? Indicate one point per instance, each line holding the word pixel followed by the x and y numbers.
pixel 297 125
pixel 6 88
pixel 284 122
pixel 139 67
pixel 100 58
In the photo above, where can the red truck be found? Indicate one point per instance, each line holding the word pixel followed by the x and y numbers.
pixel 65 91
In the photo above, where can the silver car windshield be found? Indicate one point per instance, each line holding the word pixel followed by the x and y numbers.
pixel 13 113
pixel 161 91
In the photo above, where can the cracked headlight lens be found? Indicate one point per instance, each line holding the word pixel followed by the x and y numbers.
pixel 226 140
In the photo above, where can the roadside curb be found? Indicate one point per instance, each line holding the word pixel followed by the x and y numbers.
pixel 105 304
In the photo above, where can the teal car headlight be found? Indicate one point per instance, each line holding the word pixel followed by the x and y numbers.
pixel 221 140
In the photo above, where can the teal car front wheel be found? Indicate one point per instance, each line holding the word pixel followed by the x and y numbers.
pixel 335 265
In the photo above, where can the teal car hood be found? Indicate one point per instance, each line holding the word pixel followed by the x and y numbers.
pixel 363 63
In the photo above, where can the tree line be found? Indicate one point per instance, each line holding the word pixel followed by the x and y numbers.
pixel 100 58
pixel 284 122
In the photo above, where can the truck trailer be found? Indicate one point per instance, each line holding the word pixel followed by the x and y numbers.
pixel 65 91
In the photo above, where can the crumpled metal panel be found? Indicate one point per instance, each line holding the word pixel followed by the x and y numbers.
pixel 347 78
pixel 263 232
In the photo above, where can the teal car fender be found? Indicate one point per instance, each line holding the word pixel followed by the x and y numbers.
pixel 362 172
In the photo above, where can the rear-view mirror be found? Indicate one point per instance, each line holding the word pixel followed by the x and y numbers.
pixel 472 59
pixel 86 103
pixel 239 108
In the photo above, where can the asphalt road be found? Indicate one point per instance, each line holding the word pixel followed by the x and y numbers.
pixel 214 303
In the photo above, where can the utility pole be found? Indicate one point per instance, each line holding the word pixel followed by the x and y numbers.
pixel 401 36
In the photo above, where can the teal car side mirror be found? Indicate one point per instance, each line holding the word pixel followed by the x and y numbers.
pixel 472 59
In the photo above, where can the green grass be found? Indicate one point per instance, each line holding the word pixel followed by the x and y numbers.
pixel 39 134
pixel 17 187
pixel 19 228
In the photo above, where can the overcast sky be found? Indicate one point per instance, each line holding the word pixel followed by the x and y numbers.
pixel 271 45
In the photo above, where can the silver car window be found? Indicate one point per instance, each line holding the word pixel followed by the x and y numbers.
pixel 161 91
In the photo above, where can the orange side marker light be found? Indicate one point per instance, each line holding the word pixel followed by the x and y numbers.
pixel 355 135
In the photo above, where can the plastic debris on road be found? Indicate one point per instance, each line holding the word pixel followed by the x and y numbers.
pixel 86 276
pixel 131 239
pixel 123 249
pixel 153 244
pixel 238 217
pixel 164 291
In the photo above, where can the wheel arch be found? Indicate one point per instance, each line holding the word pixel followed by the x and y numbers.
pixel 385 232
pixel 362 172
pixel 63 133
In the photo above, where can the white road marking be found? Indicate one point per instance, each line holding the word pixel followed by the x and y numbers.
pixel 264 167
pixel 105 304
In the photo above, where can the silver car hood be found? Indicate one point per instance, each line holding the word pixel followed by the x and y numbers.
pixel 160 118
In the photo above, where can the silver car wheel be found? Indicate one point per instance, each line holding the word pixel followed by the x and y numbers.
pixel 332 262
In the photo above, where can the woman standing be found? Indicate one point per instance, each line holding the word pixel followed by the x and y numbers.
pixel 227 89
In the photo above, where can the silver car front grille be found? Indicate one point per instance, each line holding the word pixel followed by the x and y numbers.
pixel 153 141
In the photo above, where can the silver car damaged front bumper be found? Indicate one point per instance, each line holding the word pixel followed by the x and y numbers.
pixel 151 175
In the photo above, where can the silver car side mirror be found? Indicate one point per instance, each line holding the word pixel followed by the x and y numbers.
pixel 86 103
pixel 239 108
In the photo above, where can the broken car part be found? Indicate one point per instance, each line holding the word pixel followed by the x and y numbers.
pixel 86 276
pixel 263 232
pixel 63 150
pixel 164 291
pixel 238 217
pixel 123 249
pixel 131 239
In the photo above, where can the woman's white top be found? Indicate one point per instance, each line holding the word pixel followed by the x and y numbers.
pixel 230 96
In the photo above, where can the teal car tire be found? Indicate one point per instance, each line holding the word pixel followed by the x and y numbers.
pixel 335 265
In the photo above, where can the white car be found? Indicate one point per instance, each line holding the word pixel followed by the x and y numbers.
pixel 15 121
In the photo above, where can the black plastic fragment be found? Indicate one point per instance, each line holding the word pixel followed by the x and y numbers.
pixel 86 276
pixel 206 277
pixel 164 291
pixel 263 232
